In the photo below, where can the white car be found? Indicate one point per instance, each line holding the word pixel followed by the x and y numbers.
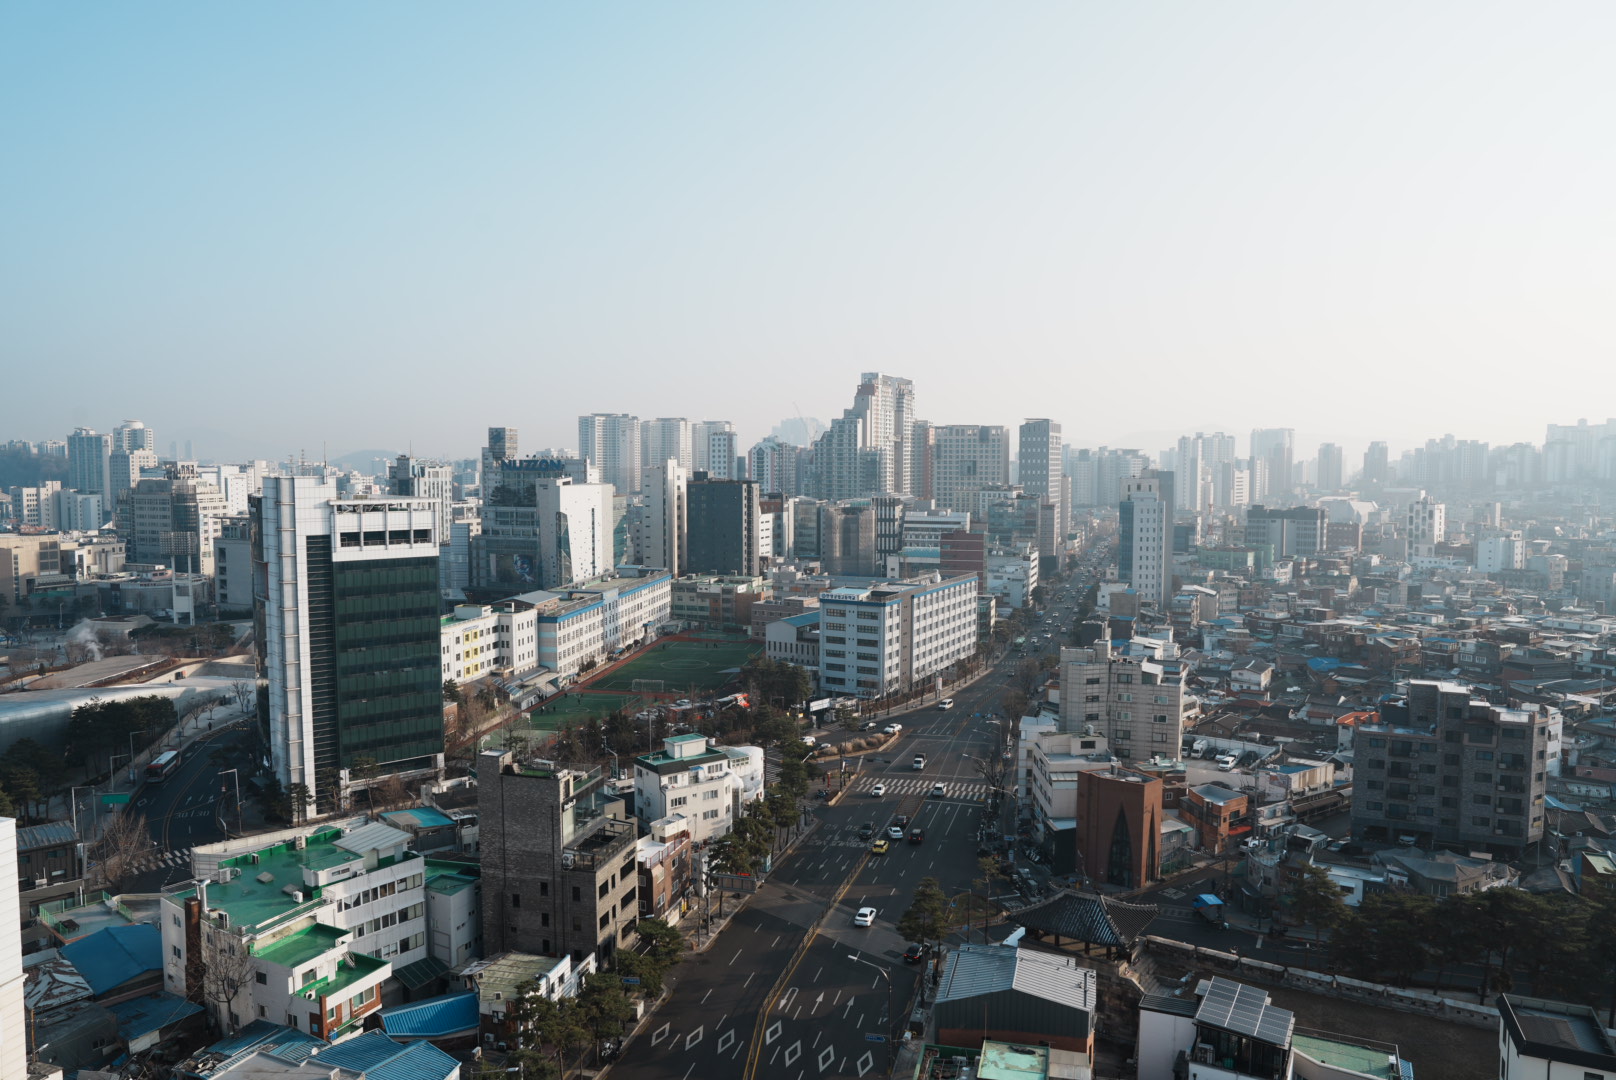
pixel 865 916
pixel 938 791
pixel 892 729
pixel 878 790
pixel 946 703
pixel 894 832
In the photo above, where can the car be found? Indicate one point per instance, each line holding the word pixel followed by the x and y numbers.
pixel 894 832
pixel 892 729
pixel 946 704
pixel 877 791
pixel 938 791
pixel 913 953
pixel 919 762
pixel 866 830
pixel 901 820
pixel 865 916
pixel 881 846
pixel 917 835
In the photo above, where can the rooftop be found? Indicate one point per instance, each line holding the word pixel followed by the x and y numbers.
pixel 295 950
pixel 262 892
pixel 1359 1056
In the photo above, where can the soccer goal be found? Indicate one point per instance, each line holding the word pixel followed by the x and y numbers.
pixel 646 686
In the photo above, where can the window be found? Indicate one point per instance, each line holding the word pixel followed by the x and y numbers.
pixel 263 980
pixel 176 952
pixel 544 918
pixel 516 900
pixel 577 894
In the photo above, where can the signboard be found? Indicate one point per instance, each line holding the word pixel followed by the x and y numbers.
pixel 741 883
pixel 819 704
pixel 870 1037
pixel 115 799
pixel 631 980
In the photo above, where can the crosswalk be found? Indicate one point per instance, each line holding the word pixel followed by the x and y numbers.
pixel 171 859
pixel 922 786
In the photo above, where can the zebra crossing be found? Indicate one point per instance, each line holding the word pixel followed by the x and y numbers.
pixel 922 786
pixel 171 859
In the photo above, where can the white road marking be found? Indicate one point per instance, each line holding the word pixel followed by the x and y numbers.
pixel 695 1036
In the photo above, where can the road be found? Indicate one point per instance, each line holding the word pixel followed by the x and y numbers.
pixel 775 997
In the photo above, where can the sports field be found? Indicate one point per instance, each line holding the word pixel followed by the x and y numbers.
pixel 684 665
pixel 576 708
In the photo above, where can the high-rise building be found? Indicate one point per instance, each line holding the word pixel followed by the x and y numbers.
pixel 890 637
pixel 425 480
pixel 664 438
pixel 558 875
pixel 88 464
pixel 174 521
pixel 968 458
pixel 1041 456
pixel 662 522
pixel 133 435
pixel 542 530
pixel 722 524
pixel 1329 467
pixel 871 448
pixel 1447 769
pixel 612 441
pixel 776 466
pixel 1376 464
pixel 1295 531
pixel 124 468
pixel 502 444
pixel 1136 702
pixel 722 453
pixel 347 629
pixel 1145 536
pixel 1275 448
pixel 1203 472
pixel 701 441
pixel 1427 525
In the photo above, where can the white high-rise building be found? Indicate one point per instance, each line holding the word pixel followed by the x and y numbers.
pixel 774 465
pixel 662 525
pixel 1040 456
pixel 347 594
pixel 1145 536
pixel 124 470
pixel 871 449
pixel 667 437
pixel 425 480
pixel 701 441
pixel 1275 449
pixel 966 459
pixel 891 637
pixel 1427 523
pixel 722 452
pixel 88 465
pixel 1495 554
pixel 575 530
pixel 133 435
pixel 13 1013
pixel 612 441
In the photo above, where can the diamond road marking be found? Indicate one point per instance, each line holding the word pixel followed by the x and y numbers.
pixel 772 1034
pixel 826 1057
pixel 695 1036
pixel 726 1040
pixel 660 1034
pixel 866 1063
pixel 793 1052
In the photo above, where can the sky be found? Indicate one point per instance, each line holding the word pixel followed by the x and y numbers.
pixel 334 227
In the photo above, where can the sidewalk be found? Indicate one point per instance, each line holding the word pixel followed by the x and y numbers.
pixel 697 939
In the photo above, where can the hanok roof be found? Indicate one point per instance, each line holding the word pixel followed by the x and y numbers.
pixel 1243 1010
pixel 1097 920
pixel 974 970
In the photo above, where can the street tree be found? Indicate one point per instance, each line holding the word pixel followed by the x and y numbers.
pixel 1316 900
pixel 926 920
pixel 226 969
pixel 121 851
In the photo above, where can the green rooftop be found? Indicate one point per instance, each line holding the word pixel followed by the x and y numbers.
pixel 356 968
pixel 295 950
pixel 1352 1056
pixel 449 883
pixel 259 894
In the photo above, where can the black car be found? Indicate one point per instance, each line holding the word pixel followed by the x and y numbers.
pixel 913 954
pixel 866 830
pixel 917 835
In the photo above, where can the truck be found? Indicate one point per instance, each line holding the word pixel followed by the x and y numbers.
pixel 1210 908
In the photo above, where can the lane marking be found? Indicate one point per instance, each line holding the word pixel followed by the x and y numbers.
pixel 793 1052
pixel 826 1056
pixel 660 1033
pixel 695 1036
pixel 726 1040
pixel 866 1063
pixel 772 1033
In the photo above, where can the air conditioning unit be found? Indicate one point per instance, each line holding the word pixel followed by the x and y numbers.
pixel 299 843
pixel 40 883
pixel 567 860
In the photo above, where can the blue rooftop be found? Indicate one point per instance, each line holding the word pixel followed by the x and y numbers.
pixel 111 957
pixel 380 1058
pixel 153 1012
pixel 361 1053
pixel 432 1018
pixel 807 618
pixel 422 817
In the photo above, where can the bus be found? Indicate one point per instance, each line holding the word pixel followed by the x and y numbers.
pixel 162 766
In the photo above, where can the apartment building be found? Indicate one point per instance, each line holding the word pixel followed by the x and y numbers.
pixel 1137 702
pixel 886 638
pixel 967 458
pixel 480 640
pixel 1145 536
pixel 560 871
pixel 1448 770
pixel 305 929
pixel 688 776
pixel 590 621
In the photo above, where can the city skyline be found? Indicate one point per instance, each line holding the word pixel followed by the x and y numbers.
pixel 1268 211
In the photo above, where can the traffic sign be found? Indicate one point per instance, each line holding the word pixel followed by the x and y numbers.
pixel 869 1037
pixel 631 980
pixel 117 798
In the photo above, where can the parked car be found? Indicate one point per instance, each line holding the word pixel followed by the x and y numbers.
pixel 865 916
pixel 913 953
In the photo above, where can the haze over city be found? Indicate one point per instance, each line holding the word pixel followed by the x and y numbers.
pixel 388 226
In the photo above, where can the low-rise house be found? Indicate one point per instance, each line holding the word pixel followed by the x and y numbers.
pixel 1552 1039
pixel 1017 995
pixel 499 980
pixel 667 865
pixel 449 1021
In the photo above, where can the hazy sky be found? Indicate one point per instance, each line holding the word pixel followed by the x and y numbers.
pixel 374 225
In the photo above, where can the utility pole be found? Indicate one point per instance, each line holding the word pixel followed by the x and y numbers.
pixel 887 1034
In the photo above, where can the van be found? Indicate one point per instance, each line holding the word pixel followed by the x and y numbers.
pixel 1199 749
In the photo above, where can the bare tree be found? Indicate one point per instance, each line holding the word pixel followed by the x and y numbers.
pixel 241 692
pixel 393 792
pixel 121 850
pixel 227 967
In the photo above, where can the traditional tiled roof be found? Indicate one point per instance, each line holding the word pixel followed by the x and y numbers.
pixel 1096 920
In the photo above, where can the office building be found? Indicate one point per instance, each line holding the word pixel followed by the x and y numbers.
pixel 722 526
pixel 125 468
pixel 611 441
pixel 1329 467
pixel 1376 465
pixel 890 637
pixel 1119 823
pixel 88 461
pixel 701 441
pixel 1449 770
pixel 134 435
pixel 966 459
pixel 1274 449
pixel 425 480
pixel 172 522
pixel 723 452
pixel 559 866
pixel 1041 458
pixel 1145 536
pixel 1137 702
pixel 346 617
pixel 542 530
pixel 1298 531
pixel 503 443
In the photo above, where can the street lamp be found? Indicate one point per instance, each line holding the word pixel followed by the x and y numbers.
pixel 72 797
pixel 236 777
pixel 888 977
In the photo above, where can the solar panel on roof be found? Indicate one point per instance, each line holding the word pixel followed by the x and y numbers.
pixel 1245 1010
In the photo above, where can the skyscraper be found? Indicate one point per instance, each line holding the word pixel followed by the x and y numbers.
pixel 662 522
pixel 133 435
pixel 701 442
pixel 722 526
pixel 968 458
pixel 88 464
pixel 1145 536
pixel 870 449
pixel 612 441
pixel 502 444
pixel 667 437
pixel 1329 467
pixel 1040 455
pixel 346 624
pixel 1376 464
pixel 1275 448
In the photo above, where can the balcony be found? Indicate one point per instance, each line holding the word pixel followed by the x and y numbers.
pixel 599 847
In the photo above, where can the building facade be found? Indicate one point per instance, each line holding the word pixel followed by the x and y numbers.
pixel 1138 704
pixel 890 637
